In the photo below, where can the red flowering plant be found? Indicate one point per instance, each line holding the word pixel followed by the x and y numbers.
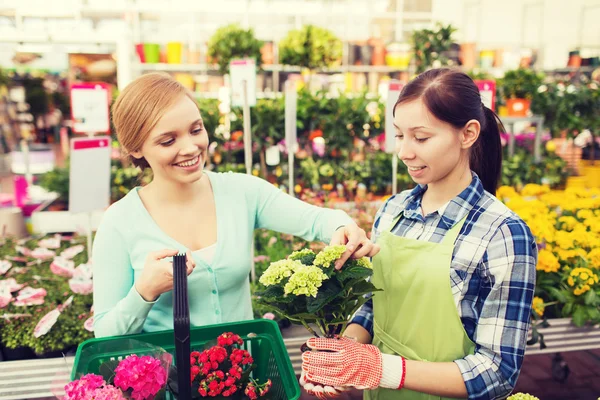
pixel 223 371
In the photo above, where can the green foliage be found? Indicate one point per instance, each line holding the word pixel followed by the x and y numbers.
pixel 338 296
pixel 232 41
pixel 521 169
pixel 430 45
pixel 68 330
pixel 520 83
pixel 310 47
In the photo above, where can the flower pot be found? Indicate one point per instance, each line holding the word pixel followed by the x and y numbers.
pixel 139 49
pixel 518 107
pixel 566 149
pixel 174 52
pixel 366 54
pixel 152 53
pixel 266 53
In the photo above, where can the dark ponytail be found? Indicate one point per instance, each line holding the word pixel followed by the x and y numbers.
pixel 452 96
pixel 486 153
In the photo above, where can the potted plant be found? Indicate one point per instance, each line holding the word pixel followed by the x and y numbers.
pixel 518 88
pixel 431 46
pixel 310 47
pixel 232 41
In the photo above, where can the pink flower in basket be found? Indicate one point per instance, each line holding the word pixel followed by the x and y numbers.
pixel 62 267
pixel 108 392
pixel 82 388
pixel 42 253
pixel 30 297
pixel 4 266
pixel 145 375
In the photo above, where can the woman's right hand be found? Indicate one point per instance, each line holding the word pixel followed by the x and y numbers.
pixel 157 276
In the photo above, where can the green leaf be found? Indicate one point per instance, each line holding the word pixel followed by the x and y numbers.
pixel 590 298
pixel 107 369
pixel 579 316
pixel 329 291
pixel 534 337
pixel 354 272
pixel 593 314
pixel 271 292
pixel 567 309
pixel 558 294
pixel 364 287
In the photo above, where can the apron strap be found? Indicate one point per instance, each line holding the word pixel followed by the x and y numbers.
pixel 452 234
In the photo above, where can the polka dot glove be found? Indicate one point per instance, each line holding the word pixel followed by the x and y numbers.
pixel 342 362
pixel 321 391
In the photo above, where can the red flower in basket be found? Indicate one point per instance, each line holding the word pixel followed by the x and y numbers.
pixel 229 339
pixel 223 370
pixel 255 390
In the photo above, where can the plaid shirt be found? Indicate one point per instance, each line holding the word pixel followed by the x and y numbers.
pixel 492 278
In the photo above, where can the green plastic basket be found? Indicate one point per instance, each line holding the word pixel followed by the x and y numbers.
pixel 266 347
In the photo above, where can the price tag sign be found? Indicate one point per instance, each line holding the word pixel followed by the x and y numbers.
pixel 291 115
pixel 487 89
pixel 89 176
pixel 390 132
pixel 90 104
pixel 243 71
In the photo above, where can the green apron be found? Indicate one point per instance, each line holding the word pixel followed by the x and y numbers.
pixel 415 315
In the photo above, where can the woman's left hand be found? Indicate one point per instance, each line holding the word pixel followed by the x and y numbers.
pixel 357 243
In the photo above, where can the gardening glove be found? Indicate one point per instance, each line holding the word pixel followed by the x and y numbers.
pixel 344 362
pixel 320 391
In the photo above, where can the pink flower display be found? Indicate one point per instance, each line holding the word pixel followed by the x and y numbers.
pixel 145 375
pixel 30 297
pixel 4 266
pixel 108 392
pixel 62 267
pixel 83 387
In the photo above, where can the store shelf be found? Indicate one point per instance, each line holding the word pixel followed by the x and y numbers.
pixel 268 68
pixel 175 67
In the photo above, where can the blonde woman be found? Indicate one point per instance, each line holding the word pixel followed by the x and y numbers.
pixel 210 216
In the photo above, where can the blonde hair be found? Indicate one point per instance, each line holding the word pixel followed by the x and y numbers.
pixel 140 106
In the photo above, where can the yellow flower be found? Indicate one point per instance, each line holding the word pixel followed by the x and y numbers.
pixel 585 214
pixel 532 189
pixel 547 262
pixel 538 306
pixel 255 172
pixel 504 192
pixel 278 271
pixel 305 281
pixel 581 279
pixel 329 255
pixel 300 254
pixel 569 223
